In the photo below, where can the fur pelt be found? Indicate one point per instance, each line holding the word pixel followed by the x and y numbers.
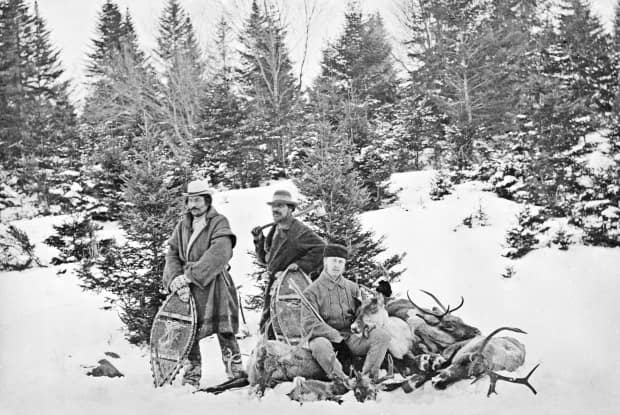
pixel 272 362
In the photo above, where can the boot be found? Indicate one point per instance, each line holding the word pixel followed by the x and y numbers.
pixel 231 356
pixel 192 372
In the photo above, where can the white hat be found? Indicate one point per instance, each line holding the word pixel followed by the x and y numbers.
pixel 198 187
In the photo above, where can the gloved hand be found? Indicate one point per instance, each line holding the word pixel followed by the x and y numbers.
pixel 178 283
pixel 257 233
pixel 293 267
pixel 184 293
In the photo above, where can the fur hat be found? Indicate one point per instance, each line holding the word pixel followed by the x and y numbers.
pixel 335 250
pixel 283 197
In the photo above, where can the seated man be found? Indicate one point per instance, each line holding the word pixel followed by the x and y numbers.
pixel 327 317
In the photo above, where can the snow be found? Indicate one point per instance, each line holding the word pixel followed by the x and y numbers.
pixel 52 332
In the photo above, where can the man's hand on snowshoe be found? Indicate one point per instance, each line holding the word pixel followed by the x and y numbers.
pixel 184 293
pixel 178 283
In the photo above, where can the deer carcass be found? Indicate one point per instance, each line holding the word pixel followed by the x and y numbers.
pixel 484 356
pixel 437 329
pixel 372 314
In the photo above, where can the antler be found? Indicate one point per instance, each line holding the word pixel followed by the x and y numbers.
pixel 446 311
pixel 494 377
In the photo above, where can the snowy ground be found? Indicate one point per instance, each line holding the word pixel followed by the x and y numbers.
pixel 51 331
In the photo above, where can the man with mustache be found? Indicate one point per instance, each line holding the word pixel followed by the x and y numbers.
pixel 197 264
pixel 288 243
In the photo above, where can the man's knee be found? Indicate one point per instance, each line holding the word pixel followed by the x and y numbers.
pixel 320 345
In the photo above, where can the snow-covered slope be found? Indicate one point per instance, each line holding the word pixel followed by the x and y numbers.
pixel 51 331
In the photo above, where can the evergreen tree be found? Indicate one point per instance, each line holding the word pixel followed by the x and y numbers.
pixel 268 82
pixel 221 151
pixel 177 44
pixel 16 70
pixel 132 272
pixel 37 120
pixel 329 176
pixel 107 44
pixel 115 54
pixel 584 64
pixel 357 87
pixel 183 88
pixel 469 57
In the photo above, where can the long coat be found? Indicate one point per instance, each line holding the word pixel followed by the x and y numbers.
pixel 206 266
pixel 301 246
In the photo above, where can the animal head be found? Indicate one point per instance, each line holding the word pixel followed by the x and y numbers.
pixel 370 314
pixel 472 363
pixel 444 320
pixel 363 388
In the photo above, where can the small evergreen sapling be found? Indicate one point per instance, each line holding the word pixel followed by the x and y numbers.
pixel 522 238
pixel 440 186
pixel 76 240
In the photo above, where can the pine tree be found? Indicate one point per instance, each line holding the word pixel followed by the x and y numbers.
pixel 220 152
pixel 132 272
pixel 357 87
pixel 268 82
pixel 107 44
pixel 328 175
pixel 37 120
pixel 183 87
pixel 584 49
pixel 16 70
pixel 468 57
pixel 176 43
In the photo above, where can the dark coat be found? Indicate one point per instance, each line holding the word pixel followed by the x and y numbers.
pixel 301 246
pixel 206 266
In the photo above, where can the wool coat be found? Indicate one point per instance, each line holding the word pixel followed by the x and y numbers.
pixel 206 266
pixel 336 301
pixel 301 245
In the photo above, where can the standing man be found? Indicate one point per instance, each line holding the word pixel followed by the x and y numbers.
pixel 197 264
pixel 332 302
pixel 288 243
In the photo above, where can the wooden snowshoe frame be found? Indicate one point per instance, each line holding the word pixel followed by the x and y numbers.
pixel 172 336
pixel 286 306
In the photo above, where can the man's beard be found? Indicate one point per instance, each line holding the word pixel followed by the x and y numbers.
pixel 194 213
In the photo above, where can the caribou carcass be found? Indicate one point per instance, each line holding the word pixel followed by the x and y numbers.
pixel 482 356
pixel 372 314
pixel 436 328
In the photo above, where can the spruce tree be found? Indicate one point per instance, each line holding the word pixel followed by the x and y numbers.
pixel 266 76
pixel 132 272
pixel 183 87
pixel 583 48
pixel 107 44
pixel 328 175
pixel 16 70
pixel 357 86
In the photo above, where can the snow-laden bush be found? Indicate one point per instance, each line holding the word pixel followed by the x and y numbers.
pixel 77 240
pixel 16 251
pixel 523 237
pixel 441 186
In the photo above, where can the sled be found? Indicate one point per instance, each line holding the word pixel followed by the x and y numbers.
pixel 172 336
pixel 286 306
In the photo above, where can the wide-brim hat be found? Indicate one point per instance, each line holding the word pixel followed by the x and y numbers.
pixel 283 197
pixel 198 188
